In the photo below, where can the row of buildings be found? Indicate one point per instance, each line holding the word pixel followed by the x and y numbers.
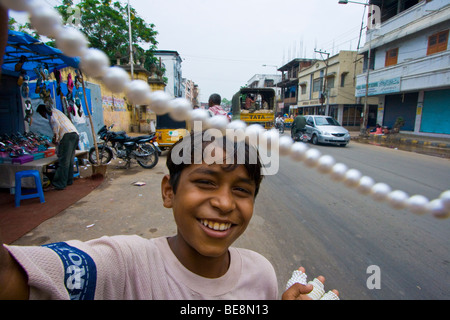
pixel 166 77
pixel 176 85
pixel 405 63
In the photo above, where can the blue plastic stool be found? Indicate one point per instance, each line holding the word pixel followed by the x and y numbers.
pixel 18 190
pixel 77 172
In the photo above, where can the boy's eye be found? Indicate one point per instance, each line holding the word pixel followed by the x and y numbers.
pixel 204 182
pixel 245 191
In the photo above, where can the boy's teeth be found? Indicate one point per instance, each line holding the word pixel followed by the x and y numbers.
pixel 215 225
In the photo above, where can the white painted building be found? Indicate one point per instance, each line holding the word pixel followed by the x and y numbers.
pixel 265 81
pixel 171 61
pixel 410 65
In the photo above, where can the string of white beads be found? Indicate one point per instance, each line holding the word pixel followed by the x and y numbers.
pixel 93 62
pixel 71 41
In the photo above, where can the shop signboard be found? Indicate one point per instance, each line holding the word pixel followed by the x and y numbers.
pixel 379 87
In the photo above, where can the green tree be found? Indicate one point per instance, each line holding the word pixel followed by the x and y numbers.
pixel 226 102
pixel 105 23
pixel 14 25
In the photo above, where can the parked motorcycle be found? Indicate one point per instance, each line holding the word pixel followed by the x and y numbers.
pixel 118 144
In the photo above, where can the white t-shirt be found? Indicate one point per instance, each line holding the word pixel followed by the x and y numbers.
pixel 131 267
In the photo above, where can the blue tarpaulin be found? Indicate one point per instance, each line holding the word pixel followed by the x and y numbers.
pixel 36 53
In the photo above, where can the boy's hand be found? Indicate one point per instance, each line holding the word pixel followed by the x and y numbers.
pixel 297 292
pixel 300 292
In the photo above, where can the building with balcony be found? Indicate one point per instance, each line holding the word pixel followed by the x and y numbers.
pixel 289 83
pixel 409 65
pixel 327 87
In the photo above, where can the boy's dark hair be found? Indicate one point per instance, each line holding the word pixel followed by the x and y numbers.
pixel 253 167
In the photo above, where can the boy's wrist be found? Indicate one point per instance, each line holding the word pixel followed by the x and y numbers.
pixel 13 279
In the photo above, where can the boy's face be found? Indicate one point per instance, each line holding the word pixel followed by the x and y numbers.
pixel 212 207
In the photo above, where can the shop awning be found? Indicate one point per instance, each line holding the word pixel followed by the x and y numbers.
pixel 36 53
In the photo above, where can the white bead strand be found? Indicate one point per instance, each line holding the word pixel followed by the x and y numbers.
pixel 285 145
pixel 180 109
pixel 338 172
pixel 238 130
pixel 199 115
pixel 94 63
pixel 445 197
pixel 159 102
pixel 380 191
pixel 298 151
pixel 398 199
pixel 17 5
pixel 137 92
pixel 45 20
pixel 270 139
pixel 116 79
pixel 352 178
pixel 218 122
pixel 312 157
pixel 417 204
pixel 73 43
pixel 237 125
pixel 252 134
pixel 325 164
pixel 365 185
pixel 437 209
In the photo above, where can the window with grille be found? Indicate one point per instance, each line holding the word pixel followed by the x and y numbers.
pixel 437 42
pixel 391 57
pixel 317 85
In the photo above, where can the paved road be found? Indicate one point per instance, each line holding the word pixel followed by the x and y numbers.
pixel 302 218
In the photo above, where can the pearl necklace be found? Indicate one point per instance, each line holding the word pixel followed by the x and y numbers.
pixel 95 63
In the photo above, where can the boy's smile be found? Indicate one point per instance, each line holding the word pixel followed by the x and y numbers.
pixel 212 206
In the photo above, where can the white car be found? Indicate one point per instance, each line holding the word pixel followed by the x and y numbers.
pixel 325 129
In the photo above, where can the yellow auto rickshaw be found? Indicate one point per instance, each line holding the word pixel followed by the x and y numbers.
pixel 169 131
pixel 255 106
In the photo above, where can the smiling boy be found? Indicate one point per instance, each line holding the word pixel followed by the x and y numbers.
pixel 212 205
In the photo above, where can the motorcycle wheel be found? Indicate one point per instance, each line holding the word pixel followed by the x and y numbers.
pixel 149 161
pixel 105 155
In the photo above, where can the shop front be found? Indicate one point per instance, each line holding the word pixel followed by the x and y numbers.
pixel 30 77
pixel 436 112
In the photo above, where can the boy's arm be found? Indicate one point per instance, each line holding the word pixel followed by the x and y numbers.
pixel 13 279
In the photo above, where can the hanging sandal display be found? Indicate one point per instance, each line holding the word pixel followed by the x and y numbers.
pixel 19 65
pixel 28 112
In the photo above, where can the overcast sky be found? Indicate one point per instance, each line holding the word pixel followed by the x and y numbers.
pixel 224 43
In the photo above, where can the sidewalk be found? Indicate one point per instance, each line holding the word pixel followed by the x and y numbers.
pixel 437 146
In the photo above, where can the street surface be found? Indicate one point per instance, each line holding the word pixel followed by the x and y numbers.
pixel 305 219
pixel 302 218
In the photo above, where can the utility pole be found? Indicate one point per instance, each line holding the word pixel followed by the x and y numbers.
pixel 131 60
pixel 131 43
pixel 325 81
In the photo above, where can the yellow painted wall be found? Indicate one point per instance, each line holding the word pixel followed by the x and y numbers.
pixel 115 108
